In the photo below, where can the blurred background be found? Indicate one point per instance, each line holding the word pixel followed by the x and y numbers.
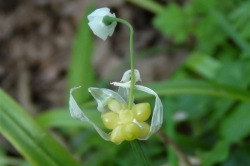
pixel 195 54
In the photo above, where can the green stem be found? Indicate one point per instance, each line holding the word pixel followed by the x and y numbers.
pixel 135 144
pixel 139 153
pixel 108 20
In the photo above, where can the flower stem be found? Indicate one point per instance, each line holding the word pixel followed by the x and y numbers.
pixel 139 153
pixel 134 144
pixel 108 20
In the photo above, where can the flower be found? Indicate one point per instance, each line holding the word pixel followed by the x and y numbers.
pixel 125 124
pixel 97 26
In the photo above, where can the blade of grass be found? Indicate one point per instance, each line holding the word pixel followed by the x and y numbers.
pixel 61 118
pixel 149 5
pixel 4 160
pixel 30 139
pixel 80 71
pixel 196 87
pixel 189 87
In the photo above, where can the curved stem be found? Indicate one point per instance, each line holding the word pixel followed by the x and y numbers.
pixel 108 20
pixel 135 144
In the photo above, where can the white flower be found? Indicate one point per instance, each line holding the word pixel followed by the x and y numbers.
pixel 97 26
pixel 111 117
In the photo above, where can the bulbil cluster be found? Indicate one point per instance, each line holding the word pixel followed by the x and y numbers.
pixel 126 124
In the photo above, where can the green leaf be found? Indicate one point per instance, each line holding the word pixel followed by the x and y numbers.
pixel 219 153
pixel 4 160
pixel 171 22
pixel 236 126
pixel 61 118
pixel 239 157
pixel 81 71
pixel 194 106
pixel 195 87
pixel 148 5
pixel 209 35
pixel 203 64
pixel 235 73
pixel 227 27
pixel 29 138
pixel 231 73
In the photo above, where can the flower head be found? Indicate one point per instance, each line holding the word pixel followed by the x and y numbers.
pixel 96 23
pixel 126 124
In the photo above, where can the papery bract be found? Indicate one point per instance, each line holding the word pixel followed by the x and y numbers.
pixel 103 96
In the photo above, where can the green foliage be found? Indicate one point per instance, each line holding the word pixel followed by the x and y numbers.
pixel 29 138
pixel 219 153
pixel 202 20
pixel 203 64
pixel 236 125
pixel 60 118
pixel 171 23
pixel 195 87
pixel 239 157
pixel 211 88
pixel 213 24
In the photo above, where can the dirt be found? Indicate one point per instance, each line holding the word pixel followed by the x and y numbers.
pixel 36 38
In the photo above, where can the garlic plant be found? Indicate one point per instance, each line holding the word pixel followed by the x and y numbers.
pixel 128 121
pixel 125 123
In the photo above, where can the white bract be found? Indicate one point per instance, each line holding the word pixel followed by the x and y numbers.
pixel 104 96
pixel 97 26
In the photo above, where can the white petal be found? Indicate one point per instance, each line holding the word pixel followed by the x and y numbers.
pixel 76 113
pixel 98 27
pixel 98 13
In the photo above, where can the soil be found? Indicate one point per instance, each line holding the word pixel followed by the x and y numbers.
pixel 36 38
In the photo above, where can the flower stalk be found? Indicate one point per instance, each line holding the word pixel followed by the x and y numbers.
pixel 134 144
pixel 108 20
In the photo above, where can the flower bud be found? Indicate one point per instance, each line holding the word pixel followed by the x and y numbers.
pixel 97 25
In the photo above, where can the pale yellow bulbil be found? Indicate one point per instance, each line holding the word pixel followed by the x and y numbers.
pixel 126 116
pixel 126 124
pixel 116 135
pixel 141 111
pixel 110 119
pixel 114 105
pixel 130 131
pixel 124 106
pixel 144 129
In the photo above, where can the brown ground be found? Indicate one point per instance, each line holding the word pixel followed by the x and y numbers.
pixel 35 44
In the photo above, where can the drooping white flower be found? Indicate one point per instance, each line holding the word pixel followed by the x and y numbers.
pixel 119 118
pixel 97 26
